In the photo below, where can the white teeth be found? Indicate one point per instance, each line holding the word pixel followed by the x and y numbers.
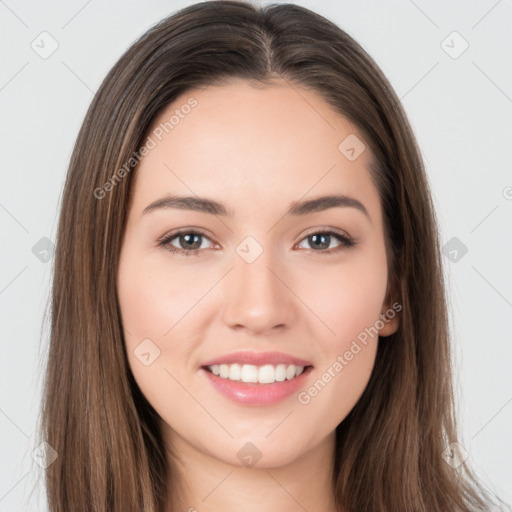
pixel 249 373
pixel 266 374
pixel 234 372
pixel 280 372
pixel 291 371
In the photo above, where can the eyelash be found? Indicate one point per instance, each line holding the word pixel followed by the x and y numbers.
pixel 346 242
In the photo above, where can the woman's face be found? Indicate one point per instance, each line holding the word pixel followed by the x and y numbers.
pixel 274 276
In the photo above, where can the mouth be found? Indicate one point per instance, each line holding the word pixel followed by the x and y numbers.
pixel 251 385
pixel 256 378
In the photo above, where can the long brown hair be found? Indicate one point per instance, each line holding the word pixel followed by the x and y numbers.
pixel 111 456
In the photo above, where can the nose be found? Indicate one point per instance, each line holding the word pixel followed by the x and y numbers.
pixel 258 297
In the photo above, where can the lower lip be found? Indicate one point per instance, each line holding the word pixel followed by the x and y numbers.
pixel 256 394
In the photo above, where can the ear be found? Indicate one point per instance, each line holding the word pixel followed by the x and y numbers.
pixel 390 318
pixel 390 313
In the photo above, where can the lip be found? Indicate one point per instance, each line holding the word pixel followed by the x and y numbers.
pixel 257 359
pixel 254 393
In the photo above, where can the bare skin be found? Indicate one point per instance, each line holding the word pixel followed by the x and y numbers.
pixel 257 151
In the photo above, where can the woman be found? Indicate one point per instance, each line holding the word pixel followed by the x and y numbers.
pixel 272 369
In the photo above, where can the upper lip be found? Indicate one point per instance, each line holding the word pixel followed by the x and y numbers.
pixel 257 359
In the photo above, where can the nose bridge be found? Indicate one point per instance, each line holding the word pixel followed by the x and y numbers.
pixel 256 297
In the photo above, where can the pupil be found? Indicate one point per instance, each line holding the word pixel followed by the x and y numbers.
pixel 324 245
pixel 188 239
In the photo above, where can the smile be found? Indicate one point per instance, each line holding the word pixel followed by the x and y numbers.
pixel 262 386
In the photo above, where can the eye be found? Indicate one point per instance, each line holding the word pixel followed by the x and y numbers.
pixel 323 239
pixel 190 242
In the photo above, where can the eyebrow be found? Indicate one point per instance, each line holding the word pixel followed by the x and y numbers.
pixel 202 204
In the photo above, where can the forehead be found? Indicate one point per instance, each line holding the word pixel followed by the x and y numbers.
pixel 246 144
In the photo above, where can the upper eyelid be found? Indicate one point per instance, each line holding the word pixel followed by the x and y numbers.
pixel 172 235
pixel 336 231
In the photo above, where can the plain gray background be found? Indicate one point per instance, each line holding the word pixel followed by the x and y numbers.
pixel 459 104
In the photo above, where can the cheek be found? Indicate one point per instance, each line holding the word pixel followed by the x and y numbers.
pixel 152 297
pixel 151 304
pixel 154 301
pixel 348 298
pixel 349 301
